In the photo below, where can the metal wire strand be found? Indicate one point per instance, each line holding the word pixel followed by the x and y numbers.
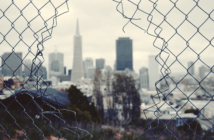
pixel 39 35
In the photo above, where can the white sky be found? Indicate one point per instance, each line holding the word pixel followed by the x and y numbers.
pixel 100 25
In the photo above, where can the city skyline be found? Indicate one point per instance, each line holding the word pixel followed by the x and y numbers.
pixel 99 37
pixel 160 53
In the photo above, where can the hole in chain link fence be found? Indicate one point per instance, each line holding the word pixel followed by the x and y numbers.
pixel 206 28
pixel 1 38
pixel 182 105
pixel 12 13
pixel 6 24
pixel 1 14
pixel 197 17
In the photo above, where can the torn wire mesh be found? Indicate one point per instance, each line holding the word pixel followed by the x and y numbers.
pixel 24 27
pixel 183 32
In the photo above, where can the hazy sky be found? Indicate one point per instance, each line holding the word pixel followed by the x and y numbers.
pixel 100 25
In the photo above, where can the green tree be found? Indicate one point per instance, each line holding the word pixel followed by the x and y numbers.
pixel 80 104
pixel 191 125
pixel 126 94
pixel 97 81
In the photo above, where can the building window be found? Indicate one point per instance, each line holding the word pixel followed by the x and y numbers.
pixel 55 66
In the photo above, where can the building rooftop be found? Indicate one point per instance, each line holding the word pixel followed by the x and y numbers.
pixel 51 95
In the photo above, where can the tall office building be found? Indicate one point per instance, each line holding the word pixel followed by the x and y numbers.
pixel 100 63
pixel 56 64
pixel 124 57
pixel 191 68
pixel 11 64
pixel 77 71
pixel 87 63
pixel 153 72
pixel 144 78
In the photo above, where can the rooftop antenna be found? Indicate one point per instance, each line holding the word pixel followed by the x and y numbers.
pixel 77 28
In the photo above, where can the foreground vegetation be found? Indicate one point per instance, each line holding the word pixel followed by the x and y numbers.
pixel 18 124
pixel 133 130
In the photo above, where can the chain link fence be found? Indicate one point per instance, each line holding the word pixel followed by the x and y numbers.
pixel 183 32
pixel 27 106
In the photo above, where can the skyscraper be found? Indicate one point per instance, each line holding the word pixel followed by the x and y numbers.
pixel 124 58
pixel 144 78
pixel 153 72
pixel 100 63
pixel 191 68
pixel 56 64
pixel 11 64
pixel 77 70
pixel 87 63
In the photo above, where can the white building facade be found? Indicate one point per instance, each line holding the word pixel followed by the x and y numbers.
pixel 144 78
pixel 153 72
pixel 87 63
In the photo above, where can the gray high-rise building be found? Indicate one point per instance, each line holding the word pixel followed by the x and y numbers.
pixel 12 64
pixel 100 63
pixel 77 71
pixel 191 68
pixel 124 57
pixel 87 63
pixel 144 78
pixel 56 64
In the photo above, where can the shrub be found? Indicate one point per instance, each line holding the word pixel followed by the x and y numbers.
pixel 190 124
pixel 196 112
pixel 80 104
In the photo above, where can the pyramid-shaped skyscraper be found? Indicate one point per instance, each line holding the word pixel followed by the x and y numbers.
pixel 77 71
